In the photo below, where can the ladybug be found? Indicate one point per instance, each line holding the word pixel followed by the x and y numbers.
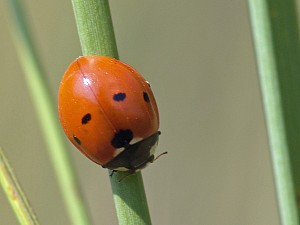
pixel 108 111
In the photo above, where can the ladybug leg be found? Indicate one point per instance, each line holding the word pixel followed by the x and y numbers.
pixel 112 173
pixel 129 173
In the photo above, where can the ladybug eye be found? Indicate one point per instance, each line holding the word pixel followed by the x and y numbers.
pixel 122 138
pixel 146 97
pixel 76 139
pixel 86 118
pixel 119 97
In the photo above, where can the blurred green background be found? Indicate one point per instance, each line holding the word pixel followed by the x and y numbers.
pixel 198 56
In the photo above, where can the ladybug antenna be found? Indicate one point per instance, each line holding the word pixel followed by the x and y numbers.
pixel 160 155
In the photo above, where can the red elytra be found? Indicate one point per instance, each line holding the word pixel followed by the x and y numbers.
pixel 108 111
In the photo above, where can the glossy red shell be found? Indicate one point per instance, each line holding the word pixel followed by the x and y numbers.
pixel 88 112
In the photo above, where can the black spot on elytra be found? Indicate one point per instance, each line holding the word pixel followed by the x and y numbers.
pixel 122 138
pixel 76 139
pixel 119 97
pixel 146 97
pixel 86 118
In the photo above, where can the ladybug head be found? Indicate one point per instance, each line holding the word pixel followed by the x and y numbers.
pixel 136 156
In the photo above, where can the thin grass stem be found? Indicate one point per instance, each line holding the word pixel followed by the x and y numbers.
pixel 96 35
pixel 44 105
pixel 14 193
pixel 276 40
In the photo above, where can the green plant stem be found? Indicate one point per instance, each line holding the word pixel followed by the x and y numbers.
pixel 130 199
pixel 95 27
pixel 14 193
pixel 47 115
pixel 97 38
pixel 276 39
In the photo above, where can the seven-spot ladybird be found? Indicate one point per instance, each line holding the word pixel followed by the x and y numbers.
pixel 109 113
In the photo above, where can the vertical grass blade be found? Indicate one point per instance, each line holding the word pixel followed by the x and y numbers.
pixel 97 38
pixel 276 40
pixel 15 194
pixel 47 115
